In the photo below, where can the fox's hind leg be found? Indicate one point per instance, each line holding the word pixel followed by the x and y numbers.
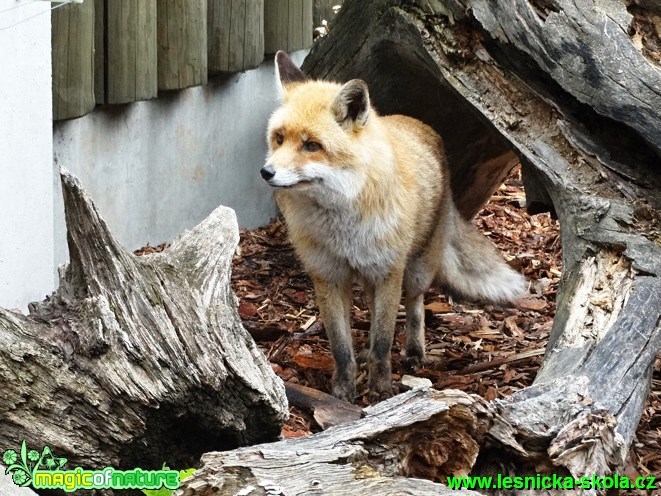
pixel 415 332
pixel 417 279
pixel 421 271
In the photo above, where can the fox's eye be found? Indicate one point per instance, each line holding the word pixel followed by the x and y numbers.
pixel 279 139
pixel 311 146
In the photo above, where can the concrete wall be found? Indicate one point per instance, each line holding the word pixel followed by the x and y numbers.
pixel 158 168
pixel 26 184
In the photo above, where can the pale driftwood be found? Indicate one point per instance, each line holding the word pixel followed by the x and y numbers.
pixel 136 360
pixel 421 433
pixel 561 85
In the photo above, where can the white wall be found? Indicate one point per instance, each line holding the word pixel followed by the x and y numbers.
pixel 26 185
pixel 159 167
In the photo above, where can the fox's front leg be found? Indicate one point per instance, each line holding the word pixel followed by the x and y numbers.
pixel 382 330
pixel 334 300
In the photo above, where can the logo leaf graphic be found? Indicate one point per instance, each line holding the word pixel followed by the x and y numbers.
pixel 23 464
pixel 18 467
pixel 24 454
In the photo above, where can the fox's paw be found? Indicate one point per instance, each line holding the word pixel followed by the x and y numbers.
pixel 376 397
pixel 415 356
pixel 412 363
pixel 379 388
pixel 345 390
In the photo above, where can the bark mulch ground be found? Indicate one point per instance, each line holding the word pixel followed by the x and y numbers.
pixel 487 350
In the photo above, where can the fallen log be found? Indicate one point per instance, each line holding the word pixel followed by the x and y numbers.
pixel 136 361
pixel 421 434
pixel 570 90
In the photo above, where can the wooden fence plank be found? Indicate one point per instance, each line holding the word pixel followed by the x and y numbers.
pixel 287 25
pixel 130 51
pixel 254 47
pixel 73 60
pixel 236 34
pixel 236 26
pixel 99 51
pixel 182 43
pixel 218 39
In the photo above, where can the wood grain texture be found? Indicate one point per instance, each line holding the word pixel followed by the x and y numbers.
pixel 130 61
pixel 182 43
pixel 73 60
pixel 137 360
pixel 288 25
pixel 419 433
pixel 236 35
pixel 585 48
pixel 99 51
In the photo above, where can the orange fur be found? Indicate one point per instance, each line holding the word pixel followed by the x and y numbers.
pixel 366 198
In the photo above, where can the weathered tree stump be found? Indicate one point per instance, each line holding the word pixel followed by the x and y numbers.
pixel 136 361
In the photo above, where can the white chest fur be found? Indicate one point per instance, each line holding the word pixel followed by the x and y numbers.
pixel 342 235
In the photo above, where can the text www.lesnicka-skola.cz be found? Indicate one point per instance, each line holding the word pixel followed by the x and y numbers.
pixel 557 482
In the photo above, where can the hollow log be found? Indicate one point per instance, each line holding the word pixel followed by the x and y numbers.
pixel 136 361
pixel 572 89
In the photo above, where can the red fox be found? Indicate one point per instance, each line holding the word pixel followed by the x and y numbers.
pixel 366 198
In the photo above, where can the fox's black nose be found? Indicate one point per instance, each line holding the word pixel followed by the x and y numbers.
pixel 267 172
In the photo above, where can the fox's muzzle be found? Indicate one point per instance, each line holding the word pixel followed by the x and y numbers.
pixel 267 172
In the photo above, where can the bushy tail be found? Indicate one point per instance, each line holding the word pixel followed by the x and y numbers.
pixel 472 268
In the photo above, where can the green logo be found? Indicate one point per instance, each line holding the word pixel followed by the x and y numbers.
pixel 43 470
pixel 23 465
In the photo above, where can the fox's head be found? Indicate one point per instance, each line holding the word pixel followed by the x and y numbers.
pixel 314 138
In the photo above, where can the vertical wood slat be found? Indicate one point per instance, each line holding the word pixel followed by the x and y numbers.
pixel 99 51
pixel 287 25
pixel 73 60
pixel 125 64
pixel 182 43
pixel 235 34
pixel 131 63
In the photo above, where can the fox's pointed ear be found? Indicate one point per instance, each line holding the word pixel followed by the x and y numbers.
pixel 286 71
pixel 352 105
